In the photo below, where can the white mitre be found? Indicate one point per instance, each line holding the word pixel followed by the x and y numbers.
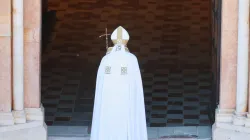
pixel 119 36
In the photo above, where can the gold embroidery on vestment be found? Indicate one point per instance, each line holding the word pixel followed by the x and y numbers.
pixel 124 70
pixel 107 70
pixel 118 48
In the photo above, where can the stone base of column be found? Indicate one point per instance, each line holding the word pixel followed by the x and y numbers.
pixel 239 119
pixel 247 121
pixel 36 129
pixel 6 119
pixel 34 114
pixel 19 116
pixel 32 130
pixel 224 115
pixel 228 131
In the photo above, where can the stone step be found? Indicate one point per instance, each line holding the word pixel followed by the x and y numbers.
pixel 154 133
pixel 67 138
pixel 68 131
pixel 87 138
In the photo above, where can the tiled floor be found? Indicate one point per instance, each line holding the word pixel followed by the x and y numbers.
pixel 172 98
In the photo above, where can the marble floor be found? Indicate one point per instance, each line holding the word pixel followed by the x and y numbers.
pixel 172 97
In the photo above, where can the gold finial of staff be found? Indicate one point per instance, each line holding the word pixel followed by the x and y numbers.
pixel 106 34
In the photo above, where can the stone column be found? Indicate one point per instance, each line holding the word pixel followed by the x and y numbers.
pixel 18 69
pixel 32 39
pixel 242 69
pixel 228 67
pixel 6 117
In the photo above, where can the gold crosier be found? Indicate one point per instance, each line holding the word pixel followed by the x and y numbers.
pixel 106 34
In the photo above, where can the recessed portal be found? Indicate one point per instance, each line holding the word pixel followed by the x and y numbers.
pixel 172 40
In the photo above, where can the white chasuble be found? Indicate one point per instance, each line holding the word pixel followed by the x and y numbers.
pixel 119 111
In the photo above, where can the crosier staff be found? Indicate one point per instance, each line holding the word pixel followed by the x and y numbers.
pixel 106 34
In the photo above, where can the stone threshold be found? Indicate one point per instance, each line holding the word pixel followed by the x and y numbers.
pixel 24 131
pixel 16 127
pixel 154 133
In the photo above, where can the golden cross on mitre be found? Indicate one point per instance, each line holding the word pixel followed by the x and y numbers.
pixel 106 34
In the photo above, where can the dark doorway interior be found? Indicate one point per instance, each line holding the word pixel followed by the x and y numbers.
pixel 172 39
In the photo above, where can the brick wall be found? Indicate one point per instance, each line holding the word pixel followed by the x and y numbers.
pixel 176 33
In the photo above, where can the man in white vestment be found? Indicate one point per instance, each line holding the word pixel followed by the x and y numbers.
pixel 119 111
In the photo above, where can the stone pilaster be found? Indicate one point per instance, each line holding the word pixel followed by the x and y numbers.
pixel 5 57
pixel 32 41
pixel 228 59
